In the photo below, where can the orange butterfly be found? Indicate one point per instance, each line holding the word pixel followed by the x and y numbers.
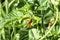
pixel 28 22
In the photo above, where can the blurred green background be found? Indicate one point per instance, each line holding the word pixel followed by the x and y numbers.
pixel 15 26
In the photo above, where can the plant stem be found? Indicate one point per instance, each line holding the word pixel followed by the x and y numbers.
pixel 51 26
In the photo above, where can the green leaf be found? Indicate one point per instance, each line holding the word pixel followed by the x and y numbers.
pixel 34 34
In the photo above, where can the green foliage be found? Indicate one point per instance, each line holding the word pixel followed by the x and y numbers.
pixel 14 15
